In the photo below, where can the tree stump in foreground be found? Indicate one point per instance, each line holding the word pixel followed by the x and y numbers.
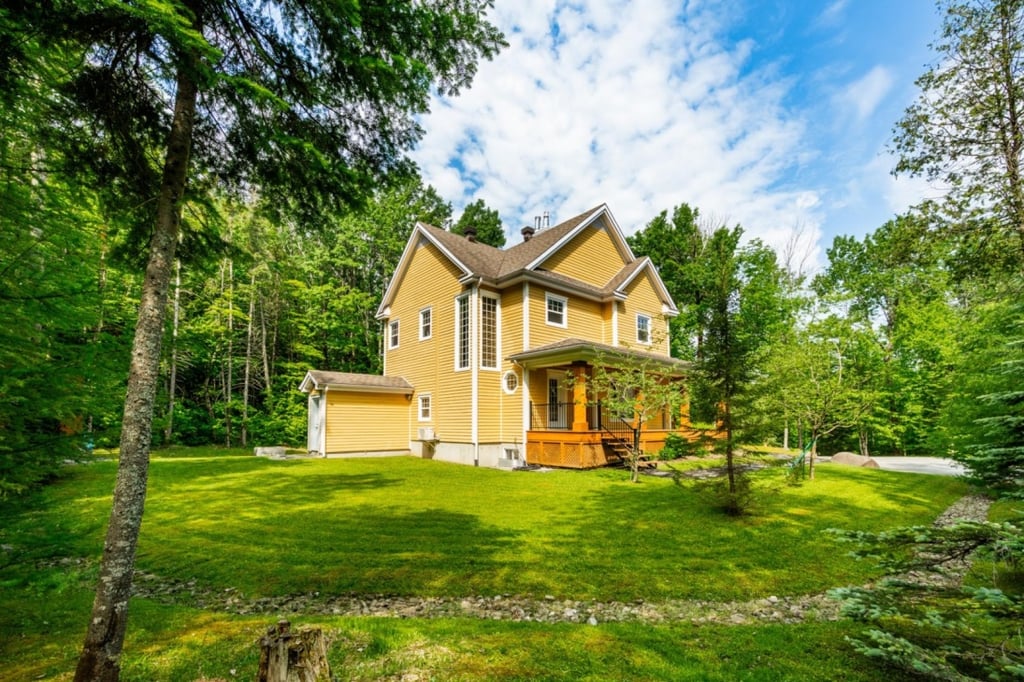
pixel 299 656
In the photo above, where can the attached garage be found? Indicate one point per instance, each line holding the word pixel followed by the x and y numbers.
pixel 357 414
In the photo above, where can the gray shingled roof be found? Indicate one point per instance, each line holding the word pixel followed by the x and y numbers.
pixel 590 350
pixel 622 275
pixel 350 380
pixel 487 261
pixel 499 266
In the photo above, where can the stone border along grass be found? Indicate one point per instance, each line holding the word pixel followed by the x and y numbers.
pixel 806 608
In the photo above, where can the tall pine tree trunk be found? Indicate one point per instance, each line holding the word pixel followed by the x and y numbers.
pixel 248 360
pixel 172 382
pixel 268 385
pixel 101 652
pixel 229 381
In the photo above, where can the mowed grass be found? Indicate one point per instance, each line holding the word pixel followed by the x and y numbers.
pixel 175 644
pixel 406 526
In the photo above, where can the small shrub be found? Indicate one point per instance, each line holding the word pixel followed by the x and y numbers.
pixel 740 501
pixel 747 497
pixel 677 446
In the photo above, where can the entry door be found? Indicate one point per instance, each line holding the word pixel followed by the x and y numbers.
pixel 313 432
pixel 558 399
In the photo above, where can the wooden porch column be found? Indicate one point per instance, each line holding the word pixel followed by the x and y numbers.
pixel 579 397
pixel 684 414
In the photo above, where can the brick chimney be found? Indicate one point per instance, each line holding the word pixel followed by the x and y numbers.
pixel 470 233
pixel 527 233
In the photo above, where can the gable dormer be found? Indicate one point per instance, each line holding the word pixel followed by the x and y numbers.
pixel 590 256
pixel 592 251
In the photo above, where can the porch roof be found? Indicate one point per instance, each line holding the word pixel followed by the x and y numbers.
pixel 350 381
pixel 569 350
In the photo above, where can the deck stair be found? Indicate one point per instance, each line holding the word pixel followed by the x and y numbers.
pixel 618 451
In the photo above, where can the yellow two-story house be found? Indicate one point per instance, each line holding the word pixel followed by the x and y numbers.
pixel 487 351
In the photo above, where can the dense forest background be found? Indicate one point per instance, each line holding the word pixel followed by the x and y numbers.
pixel 905 342
pixel 889 342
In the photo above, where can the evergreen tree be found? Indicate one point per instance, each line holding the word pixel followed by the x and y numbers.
pixel 746 308
pixel 990 409
pixel 308 103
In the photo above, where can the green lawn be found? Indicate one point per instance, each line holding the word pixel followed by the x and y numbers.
pixel 415 527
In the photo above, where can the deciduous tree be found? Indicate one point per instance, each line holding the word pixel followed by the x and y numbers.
pixel 966 129
pixel 310 103
pixel 485 221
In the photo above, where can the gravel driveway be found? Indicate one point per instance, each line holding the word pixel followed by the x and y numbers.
pixel 921 465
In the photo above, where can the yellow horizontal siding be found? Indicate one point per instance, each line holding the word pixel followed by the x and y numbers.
pixel 585 319
pixel 501 414
pixel 429 365
pixel 641 297
pixel 366 422
pixel 590 257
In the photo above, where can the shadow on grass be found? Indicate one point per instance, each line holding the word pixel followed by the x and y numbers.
pixel 365 549
pixel 260 479
pixel 670 542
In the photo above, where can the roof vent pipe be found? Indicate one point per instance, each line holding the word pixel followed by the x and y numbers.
pixel 536 222
pixel 470 233
pixel 547 220
pixel 527 233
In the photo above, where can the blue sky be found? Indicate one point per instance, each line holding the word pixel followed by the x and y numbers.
pixel 774 115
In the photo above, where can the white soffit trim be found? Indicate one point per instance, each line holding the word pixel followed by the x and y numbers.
pixel 309 383
pixel 668 305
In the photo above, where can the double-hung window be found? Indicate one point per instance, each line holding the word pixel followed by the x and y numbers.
pixel 424 411
pixel 425 323
pixel 643 328
pixel 556 310
pixel 488 332
pixel 462 332
pixel 393 334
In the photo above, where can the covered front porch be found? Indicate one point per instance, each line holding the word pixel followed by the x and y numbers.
pixel 570 427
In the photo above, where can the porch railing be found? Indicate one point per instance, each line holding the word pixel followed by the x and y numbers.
pixel 619 429
pixel 559 416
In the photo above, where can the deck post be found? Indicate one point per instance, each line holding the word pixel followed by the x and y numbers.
pixel 579 396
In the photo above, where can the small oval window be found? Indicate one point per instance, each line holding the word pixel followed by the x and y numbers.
pixel 510 382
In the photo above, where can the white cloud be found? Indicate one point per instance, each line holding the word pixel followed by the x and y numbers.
pixel 632 106
pixel 832 15
pixel 863 96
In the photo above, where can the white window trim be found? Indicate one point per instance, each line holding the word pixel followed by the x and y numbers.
pixel 430 311
pixel 469 335
pixel 393 335
pixel 649 319
pixel 419 408
pixel 504 378
pixel 497 331
pixel 548 297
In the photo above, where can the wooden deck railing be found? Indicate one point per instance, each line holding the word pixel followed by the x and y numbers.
pixel 558 416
